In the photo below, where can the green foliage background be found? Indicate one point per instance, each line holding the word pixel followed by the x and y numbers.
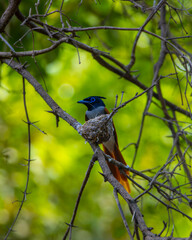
pixel 61 155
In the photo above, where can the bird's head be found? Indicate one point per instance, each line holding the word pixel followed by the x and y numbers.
pixel 93 102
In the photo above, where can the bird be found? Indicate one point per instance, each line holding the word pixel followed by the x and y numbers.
pixel 96 107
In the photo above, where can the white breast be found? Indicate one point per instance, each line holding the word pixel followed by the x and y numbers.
pixel 95 112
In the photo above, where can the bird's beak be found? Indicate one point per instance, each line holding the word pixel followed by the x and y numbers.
pixel 82 101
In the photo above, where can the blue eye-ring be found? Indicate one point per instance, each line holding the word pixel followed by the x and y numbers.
pixel 92 99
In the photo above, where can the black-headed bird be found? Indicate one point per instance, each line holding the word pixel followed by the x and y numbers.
pixel 96 107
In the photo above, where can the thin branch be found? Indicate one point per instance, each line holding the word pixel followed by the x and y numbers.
pixel 28 163
pixel 115 110
pixel 8 14
pixel 33 53
pixel 91 164
pixel 122 214
pixel 154 11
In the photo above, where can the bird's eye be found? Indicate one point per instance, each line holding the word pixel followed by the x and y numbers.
pixel 92 99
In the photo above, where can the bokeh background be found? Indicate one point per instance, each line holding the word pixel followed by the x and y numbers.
pixel 61 156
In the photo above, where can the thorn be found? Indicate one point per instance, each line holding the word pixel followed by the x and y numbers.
pixel 137 76
pixel 135 200
pixel 25 65
pixel 57 117
pixel 27 122
pixel 51 112
pixel 190 203
pixel 26 193
pixel 34 122
pixel 150 228
pixel 70 225
pixel 29 160
pixel 170 136
pixel 105 179
pixel 23 165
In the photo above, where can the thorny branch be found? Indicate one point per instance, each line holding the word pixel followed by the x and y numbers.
pixel 166 194
pixel 25 192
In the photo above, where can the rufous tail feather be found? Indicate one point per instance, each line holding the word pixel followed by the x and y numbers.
pixel 116 154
